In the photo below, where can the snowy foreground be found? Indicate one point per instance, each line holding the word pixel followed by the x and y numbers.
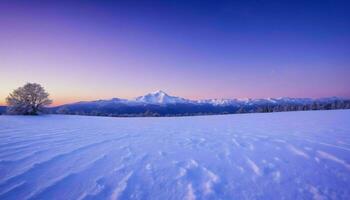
pixel 294 155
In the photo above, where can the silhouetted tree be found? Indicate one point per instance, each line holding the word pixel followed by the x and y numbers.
pixel 28 100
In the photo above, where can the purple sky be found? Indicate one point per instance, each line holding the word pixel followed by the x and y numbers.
pixel 195 49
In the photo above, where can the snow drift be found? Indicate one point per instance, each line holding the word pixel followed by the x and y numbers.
pixel 294 155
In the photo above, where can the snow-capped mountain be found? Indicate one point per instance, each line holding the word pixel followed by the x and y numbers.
pixel 160 97
pixel 219 102
pixel 160 103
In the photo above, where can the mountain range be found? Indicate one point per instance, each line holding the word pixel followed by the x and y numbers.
pixel 159 103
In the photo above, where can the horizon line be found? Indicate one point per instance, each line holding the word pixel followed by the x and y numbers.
pixel 222 98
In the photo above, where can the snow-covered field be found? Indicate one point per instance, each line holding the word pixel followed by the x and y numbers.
pixel 293 155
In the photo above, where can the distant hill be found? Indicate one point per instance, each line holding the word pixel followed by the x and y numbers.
pixel 2 109
pixel 161 104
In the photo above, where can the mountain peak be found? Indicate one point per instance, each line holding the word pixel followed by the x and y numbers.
pixel 160 97
pixel 159 92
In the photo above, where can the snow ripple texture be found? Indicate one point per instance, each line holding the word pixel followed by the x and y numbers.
pixel 294 155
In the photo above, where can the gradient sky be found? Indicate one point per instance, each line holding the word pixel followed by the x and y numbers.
pixel 195 49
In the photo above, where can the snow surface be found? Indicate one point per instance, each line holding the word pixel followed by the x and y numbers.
pixel 291 155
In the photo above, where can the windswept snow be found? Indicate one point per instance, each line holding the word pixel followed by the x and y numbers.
pixel 254 167
pixel 294 155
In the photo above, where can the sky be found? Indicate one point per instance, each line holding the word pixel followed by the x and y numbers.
pixel 87 50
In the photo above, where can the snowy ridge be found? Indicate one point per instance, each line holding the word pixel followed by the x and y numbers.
pixel 160 97
pixel 159 103
pixel 219 102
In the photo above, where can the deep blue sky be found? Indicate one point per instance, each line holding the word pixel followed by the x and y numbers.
pixel 195 49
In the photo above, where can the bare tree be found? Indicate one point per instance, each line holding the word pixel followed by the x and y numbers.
pixel 28 100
